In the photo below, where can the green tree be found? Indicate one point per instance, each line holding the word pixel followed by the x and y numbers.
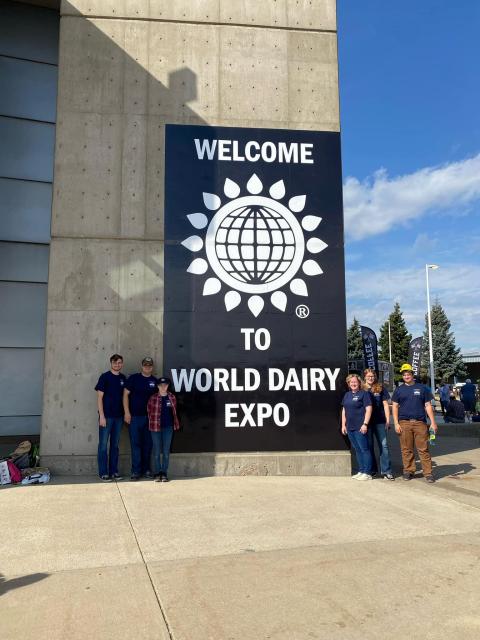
pixel 354 341
pixel 400 340
pixel 446 356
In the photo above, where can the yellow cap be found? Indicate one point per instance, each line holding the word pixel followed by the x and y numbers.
pixel 406 367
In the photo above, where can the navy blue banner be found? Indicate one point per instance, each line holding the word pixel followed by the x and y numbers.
pixel 370 348
pixel 415 354
pixel 254 316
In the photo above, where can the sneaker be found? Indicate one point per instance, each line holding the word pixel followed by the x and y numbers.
pixel 148 475
pixel 105 478
pixel 355 477
pixel 134 477
pixel 364 476
pixel 389 476
pixel 117 477
pixel 407 475
pixel 430 479
pixel 164 478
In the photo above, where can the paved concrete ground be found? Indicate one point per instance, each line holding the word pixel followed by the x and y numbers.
pixel 247 558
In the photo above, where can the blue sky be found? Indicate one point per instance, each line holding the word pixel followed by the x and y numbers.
pixel 410 104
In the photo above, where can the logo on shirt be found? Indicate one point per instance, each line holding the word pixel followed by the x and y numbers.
pixel 355 398
pixel 152 384
pixel 416 392
pixel 121 383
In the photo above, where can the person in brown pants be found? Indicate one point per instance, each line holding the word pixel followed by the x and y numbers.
pixel 411 405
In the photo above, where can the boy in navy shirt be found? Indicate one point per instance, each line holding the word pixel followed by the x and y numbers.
pixel 411 405
pixel 109 390
pixel 139 388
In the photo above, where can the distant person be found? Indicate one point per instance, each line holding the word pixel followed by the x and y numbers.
pixel 162 422
pixel 356 414
pixel 455 412
pixel 411 405
pixel 379 424
pixel 138 389
pixel 109 390
pixel 444 392
pixel 468 395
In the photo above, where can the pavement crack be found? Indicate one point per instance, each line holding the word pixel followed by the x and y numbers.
pixel 162 611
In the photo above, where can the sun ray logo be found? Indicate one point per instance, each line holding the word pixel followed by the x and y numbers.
pixel 255 245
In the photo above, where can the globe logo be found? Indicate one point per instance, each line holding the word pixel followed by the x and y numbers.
pixel 254 244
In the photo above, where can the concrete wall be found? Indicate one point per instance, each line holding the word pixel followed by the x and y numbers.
pixel 126 69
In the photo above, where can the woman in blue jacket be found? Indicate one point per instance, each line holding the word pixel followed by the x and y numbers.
pixel 356 414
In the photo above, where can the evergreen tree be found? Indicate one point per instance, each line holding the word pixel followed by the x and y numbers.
pixel 400 340
pixel 354 341
pixel 446 356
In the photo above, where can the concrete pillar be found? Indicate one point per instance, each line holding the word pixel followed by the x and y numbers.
pixel 126 69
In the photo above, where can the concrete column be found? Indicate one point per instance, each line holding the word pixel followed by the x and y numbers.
pixel 126 69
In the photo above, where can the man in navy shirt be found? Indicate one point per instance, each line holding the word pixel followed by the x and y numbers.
pixel 411 405
pixel 468 394
pixel 109 390
pixel 139 388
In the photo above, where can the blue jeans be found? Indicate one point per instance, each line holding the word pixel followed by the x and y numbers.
pixel 162 441
pixel 379 433
pixel 141 445
pixel 108 464
pixel 360 444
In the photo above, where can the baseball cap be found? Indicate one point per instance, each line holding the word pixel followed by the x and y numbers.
pixel 147 360
pixel 163 380
pixel 406 367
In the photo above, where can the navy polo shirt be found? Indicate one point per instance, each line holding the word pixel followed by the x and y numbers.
pixel 141 388
pixel 378 411
pixel 411 401
pixel 112 386
pixel 354 405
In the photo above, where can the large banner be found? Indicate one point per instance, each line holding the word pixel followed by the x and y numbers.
pixel 415 355
pixel 370 348
pixel 254 314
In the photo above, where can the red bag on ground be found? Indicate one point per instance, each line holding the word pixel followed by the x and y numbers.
pixel 15 474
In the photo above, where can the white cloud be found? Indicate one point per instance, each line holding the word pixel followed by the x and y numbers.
pixel 371 296
pixel 378 203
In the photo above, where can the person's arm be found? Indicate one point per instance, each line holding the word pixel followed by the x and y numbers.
pixel 386 408
pixel 126 406
pixel 431 415
pixel 102 421
pixel 366 420
pixel 396 423
pixel 344 422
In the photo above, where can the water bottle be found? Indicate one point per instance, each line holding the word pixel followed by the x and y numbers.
pixel 432 436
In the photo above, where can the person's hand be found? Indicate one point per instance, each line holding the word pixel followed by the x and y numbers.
pixel 387 426
pixel 344 430
pixel 128 418
pixel 398 428
pixel 102 421
pixel 363 429
pixel 434 427
pixel 176 428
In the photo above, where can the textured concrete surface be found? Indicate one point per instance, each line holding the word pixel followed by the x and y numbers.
pixel 246 557
pixel 296 14
pixel 126 68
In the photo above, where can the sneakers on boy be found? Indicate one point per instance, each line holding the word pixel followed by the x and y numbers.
pixel 117 476
pixel 364 476
pixel 105 478
pixel 430 479
pixel 389 476
pixel 407 475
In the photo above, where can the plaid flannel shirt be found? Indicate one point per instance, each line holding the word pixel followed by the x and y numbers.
pixel 154 411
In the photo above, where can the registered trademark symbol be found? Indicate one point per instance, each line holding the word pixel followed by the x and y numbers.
pixel 302 311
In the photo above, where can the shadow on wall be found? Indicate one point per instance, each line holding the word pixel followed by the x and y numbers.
pixel 106 265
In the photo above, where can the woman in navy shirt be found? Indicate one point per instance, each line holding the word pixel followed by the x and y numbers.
pixel 379 423
pixel 356 413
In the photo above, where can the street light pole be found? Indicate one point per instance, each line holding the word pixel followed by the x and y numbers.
pixel 389 340
pixel 429 316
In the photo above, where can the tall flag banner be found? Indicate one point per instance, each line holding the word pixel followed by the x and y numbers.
pixel 415 354
pixel 370 348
